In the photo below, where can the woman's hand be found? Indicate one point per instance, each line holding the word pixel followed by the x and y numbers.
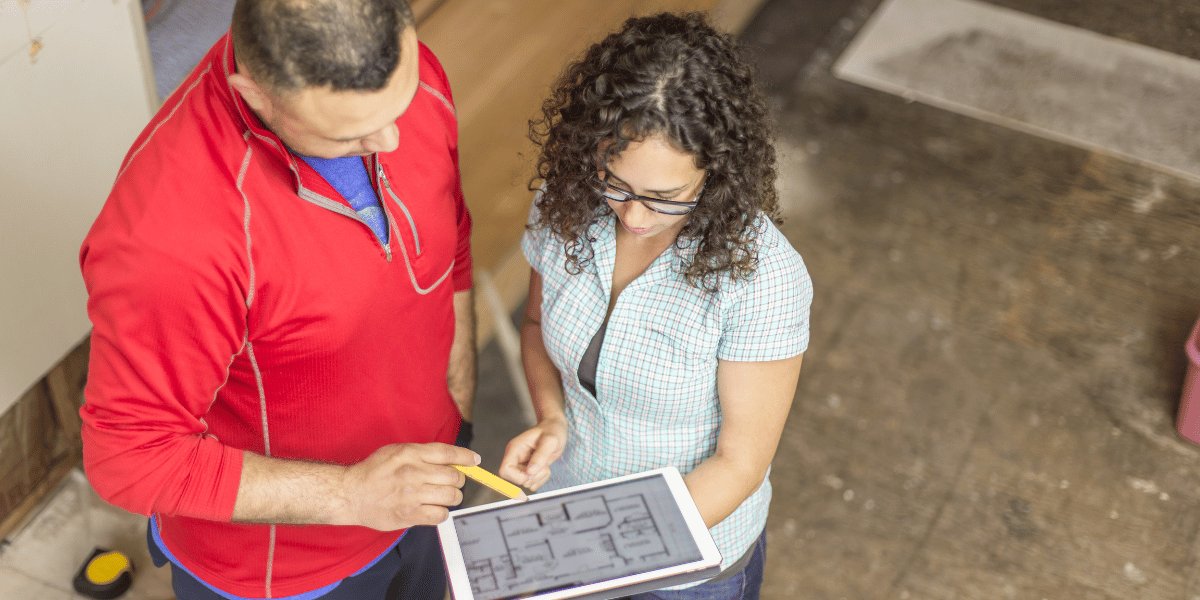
pixel 528 456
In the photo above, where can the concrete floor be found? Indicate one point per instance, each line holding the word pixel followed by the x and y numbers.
pixel 986 408
pixel 40 561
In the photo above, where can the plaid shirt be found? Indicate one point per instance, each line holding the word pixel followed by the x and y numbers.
pixel 656 380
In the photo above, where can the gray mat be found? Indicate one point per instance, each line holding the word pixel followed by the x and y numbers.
pixel 179 33
pixel 1035 75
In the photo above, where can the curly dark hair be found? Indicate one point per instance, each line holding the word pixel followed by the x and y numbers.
pixel 674 76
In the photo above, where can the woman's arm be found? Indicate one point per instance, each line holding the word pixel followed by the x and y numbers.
pixel 755 399
pixel 528 456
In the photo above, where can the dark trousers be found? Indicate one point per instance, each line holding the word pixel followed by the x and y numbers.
pixel 412 570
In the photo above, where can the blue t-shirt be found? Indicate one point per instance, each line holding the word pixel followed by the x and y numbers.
pixel 348 175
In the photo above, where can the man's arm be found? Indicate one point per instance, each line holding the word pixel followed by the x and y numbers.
pixel 460 374
pixel 398 486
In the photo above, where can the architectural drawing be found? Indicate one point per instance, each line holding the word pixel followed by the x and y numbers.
pixel 564 543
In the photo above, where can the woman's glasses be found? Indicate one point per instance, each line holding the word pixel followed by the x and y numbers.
pixel 666 207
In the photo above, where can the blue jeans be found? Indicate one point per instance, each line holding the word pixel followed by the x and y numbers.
pixel 744 585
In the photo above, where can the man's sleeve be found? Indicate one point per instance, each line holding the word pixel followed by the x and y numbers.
pixel 462 258
pixel 166 326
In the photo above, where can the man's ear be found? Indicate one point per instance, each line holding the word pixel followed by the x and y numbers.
pixel 254 95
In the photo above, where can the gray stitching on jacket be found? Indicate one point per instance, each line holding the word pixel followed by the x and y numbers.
pixel 241 178
pixel 439 96
pixel 162 122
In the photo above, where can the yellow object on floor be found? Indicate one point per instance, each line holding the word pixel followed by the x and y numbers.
pixel 104 575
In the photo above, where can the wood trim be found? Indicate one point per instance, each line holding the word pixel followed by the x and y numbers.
pixel 65 407
pixel 511 280
pixel 17 519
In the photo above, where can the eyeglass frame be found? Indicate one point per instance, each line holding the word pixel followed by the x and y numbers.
pixel 628 195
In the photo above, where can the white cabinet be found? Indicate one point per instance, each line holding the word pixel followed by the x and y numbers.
pixel 68 114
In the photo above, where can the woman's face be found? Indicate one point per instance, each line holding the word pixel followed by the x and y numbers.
pixel 655 169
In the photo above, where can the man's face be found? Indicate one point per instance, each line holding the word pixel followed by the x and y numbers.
pixel 323 123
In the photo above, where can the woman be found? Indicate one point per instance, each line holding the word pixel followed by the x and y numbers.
pixel 667 315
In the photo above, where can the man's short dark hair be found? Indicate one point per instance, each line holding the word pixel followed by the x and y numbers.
pixel 288 45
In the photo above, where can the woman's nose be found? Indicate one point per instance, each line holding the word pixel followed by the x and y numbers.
pixel 636 214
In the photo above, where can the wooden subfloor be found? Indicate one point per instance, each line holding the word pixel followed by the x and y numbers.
pixel 502 57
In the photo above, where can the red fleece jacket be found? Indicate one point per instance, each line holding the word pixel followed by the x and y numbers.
pixel 238 304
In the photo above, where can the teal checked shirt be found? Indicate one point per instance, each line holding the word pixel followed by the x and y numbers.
pixel 656 379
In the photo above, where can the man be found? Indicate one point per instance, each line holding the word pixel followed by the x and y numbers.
pixel 279 285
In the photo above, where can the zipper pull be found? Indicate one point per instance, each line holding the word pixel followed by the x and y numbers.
pixel 383 177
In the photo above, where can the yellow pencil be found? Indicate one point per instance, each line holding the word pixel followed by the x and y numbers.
pixel 482 476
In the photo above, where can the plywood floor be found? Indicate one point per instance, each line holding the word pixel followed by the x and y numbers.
pixel 501 57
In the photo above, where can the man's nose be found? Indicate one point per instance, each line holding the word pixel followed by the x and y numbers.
pixel 384 140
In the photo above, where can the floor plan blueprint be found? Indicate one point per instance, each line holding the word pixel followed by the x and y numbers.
pixel 573 540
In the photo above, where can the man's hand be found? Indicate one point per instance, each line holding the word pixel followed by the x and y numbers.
pixel 402 485
pixel 528 456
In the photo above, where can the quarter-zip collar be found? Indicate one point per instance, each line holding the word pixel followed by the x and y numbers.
pixel 254 125
pixel 385 186
pixel 306 182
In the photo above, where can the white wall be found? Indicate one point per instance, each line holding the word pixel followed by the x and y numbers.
pixel 67 117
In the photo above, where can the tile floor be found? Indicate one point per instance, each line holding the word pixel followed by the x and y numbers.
pixel 39 562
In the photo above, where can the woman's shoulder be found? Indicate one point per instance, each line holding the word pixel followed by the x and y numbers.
pixel 777 263
pixel 547 250
pixel 768 237
pixel 774 250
